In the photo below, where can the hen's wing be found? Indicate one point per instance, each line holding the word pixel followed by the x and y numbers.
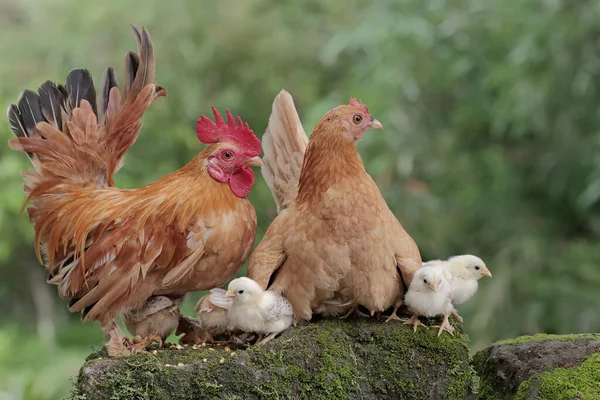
pixel 284 144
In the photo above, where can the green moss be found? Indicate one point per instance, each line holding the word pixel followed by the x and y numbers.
pixel 581 382
pixel 485 389
pixel 543 336
pixel 328 359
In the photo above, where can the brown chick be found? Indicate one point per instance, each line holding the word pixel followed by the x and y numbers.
pixel 211 321
pixel 335 244
pixel 154 321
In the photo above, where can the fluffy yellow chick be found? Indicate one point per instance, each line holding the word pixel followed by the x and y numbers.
pixel 465 271
pixel 154 321
pixel 429 295
pixel 256 310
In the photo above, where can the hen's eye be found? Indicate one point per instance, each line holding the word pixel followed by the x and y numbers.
pixel 240 291
pixel 357 118
pixel 227 155
pixel 477 268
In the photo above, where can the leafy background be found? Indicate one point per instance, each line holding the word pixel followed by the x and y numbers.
pixel 490 147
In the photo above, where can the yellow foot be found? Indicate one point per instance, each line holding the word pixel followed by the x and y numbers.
pixel 141 344
pixel 445 326
pixel 414 321
pixel 394 317
pixel 458 317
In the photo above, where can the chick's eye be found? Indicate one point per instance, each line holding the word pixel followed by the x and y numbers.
pixel 227 155
pixel 240 291
pixel 477 268
pixel 357 118
pixel 424 280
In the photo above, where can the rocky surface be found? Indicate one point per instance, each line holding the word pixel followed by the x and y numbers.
pixel 327 359
pixel 541 367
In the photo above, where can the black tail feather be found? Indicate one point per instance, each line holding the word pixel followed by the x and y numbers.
pixel 132 63
pixel 51 99
pixel 31 111
pixel 109 80
pixel 80 85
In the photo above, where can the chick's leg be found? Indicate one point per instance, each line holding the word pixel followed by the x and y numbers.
pixel 141 344
pixel 268 338
pixel 394 315
pixel 455 315
pixel 414 321
pixel 445 326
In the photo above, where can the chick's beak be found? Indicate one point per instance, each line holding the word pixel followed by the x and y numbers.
pixel 254 162
pixel 229 294
pixel 374 124
pixel 486 272
pixel 433 286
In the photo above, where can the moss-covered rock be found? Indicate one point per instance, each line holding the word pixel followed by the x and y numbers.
pixel 540 367
pixel 328 359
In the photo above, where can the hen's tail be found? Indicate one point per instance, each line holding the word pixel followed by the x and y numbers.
pixel 284 144
pixel 70 136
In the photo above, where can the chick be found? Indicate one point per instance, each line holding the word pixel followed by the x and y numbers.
pixel 465 271
pixel 256 310
pixel 154 321
pixel 211 322
pixel 429 295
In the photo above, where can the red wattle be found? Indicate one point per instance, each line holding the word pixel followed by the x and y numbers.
pixel 241 182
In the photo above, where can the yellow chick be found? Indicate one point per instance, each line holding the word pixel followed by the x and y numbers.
pixel 211 321
pixel 465 271
pixel 429 295
pixel 256 310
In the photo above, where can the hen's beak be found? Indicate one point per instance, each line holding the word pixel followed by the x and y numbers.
pixel 434 286
pixel 254 162
pixel 229 294
pixel 374 124
pixel 486 272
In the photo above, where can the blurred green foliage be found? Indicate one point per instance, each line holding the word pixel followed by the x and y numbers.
pixel 490 147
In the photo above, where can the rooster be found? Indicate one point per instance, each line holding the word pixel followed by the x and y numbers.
pixel 335 245
pixel 109 250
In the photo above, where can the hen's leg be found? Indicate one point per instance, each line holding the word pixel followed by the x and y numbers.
pixel 414 321
pixel 445 326
pixel 455 315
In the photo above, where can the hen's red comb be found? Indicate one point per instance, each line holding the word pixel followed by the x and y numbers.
pixel 214 132
pixel 359 104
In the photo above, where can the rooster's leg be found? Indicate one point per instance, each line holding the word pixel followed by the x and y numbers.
pixel 118 344
pixel 414 321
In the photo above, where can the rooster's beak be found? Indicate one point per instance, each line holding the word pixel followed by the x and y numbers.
pixel 254 162
pixel 229 294
pixel 374 124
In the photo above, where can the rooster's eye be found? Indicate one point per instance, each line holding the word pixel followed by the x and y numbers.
pixel 357 118
pixel 227 155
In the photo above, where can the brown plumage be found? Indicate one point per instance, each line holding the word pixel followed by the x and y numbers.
pixel 335 244
pixel 108 249
pixel 156 320
pixel 211 322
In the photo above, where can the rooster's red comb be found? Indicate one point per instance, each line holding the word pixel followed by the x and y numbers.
pixel 359 104
pixel 209 132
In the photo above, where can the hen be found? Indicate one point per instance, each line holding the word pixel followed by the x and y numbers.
pixel 335 244
pixel 108 249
